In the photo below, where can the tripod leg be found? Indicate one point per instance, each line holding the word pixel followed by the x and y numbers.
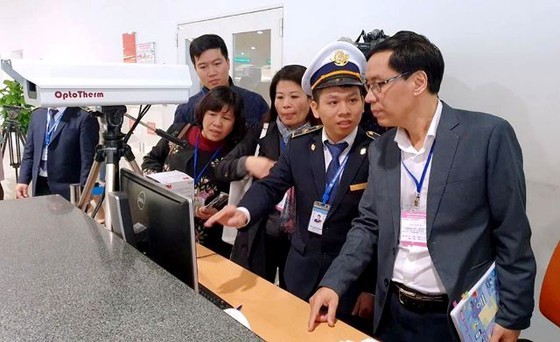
pixel 129 156
pixel 13 150
pixel 111 184
pixel 13 139
pixel 4 137
pixel 135 167
pixel 21 138
pixel 92 177
pixel 17 137
pixel 3 145
pixel 90 182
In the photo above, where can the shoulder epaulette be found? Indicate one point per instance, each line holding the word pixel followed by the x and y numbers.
pixel 372 135
pixel 306 130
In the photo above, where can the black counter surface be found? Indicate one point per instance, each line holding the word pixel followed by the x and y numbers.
pixel 64 277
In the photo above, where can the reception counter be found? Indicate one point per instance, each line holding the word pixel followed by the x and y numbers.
pixel 274 314
pixel 64 277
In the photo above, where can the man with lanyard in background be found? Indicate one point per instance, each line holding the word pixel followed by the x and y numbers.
pixel 59 151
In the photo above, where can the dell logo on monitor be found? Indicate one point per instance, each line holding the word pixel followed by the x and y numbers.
pixel 141 200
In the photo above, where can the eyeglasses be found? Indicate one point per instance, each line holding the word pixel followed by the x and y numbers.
pixel 375 87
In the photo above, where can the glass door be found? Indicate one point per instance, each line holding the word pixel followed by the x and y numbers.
pixel 254 42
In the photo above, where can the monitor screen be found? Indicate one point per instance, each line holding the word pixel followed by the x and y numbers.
pixel 169 222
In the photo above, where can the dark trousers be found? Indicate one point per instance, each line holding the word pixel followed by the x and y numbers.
pixel 400 324
pixel 365 325
pixel 42 187
pixel 276 252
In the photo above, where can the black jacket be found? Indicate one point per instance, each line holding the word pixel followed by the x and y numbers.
pixel 302 165
pixel 249 247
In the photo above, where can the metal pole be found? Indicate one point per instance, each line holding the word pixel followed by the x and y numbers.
pixel 110 186
pixel 75 193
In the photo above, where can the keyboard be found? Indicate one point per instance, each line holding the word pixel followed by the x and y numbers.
pixel 213 298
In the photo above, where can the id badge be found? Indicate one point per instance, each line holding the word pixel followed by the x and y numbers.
pixel 318 215
pixel 198 203
pixel 45 153
pixel 280 206
pixel 199 199
pixel 413 228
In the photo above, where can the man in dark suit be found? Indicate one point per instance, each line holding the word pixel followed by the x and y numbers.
pixel 209 56
pixel 58 151
pixel 328 168
pixel 445 198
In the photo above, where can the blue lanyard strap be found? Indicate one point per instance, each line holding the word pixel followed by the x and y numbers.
pixel 50 129
pixel 421 182
pixel 282 144
pixel 332 182
pixel 197 177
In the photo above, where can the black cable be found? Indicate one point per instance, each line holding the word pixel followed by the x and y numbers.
pixel 98 206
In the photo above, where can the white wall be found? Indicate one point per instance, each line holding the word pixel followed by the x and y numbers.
pixel 501 58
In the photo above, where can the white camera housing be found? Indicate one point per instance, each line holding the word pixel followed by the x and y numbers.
pixel 48 84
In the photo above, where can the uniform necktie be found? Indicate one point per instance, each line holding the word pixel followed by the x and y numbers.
pixel 335 150
pixel 334 165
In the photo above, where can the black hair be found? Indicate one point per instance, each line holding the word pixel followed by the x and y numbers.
pixel 294 73
pixel 216 99
pixel 207 42
pixel 413 52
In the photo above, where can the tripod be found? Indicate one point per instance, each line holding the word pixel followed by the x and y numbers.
pixel 114 147
pixel 14 138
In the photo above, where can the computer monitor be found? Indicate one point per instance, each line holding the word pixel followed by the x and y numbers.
pixel 169 222
pixel 121 218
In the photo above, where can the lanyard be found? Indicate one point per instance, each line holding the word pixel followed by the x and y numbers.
pixel 332 182
pixel 282 144
pixel 419 183
pixel 197 177
pixel 51 129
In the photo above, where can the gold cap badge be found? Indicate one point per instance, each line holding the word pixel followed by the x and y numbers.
pixel 340 58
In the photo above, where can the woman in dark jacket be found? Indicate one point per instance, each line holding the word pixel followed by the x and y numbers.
pixel 262 246
pixel 219 126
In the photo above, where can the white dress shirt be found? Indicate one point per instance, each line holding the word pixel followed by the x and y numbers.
pixel 328 157
pixel 413 266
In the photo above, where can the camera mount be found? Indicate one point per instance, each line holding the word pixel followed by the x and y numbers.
pixel 12 137
pixel 370 39
pixel 48 84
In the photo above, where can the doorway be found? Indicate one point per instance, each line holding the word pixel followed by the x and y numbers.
pixel 254 42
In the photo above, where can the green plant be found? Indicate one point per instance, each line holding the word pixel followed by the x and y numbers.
pixel 12 95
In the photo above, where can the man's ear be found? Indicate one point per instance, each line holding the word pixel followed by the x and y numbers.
pixel 420 79
pixel 314 108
